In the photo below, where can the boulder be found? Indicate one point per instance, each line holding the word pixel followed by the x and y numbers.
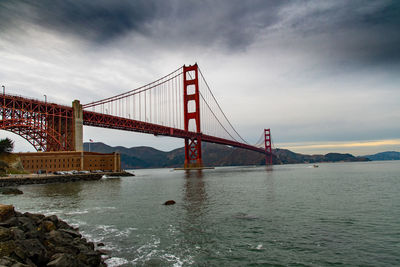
pixel 57 237
pixel 8 261
pixel 17 233
pixel 52 218
pixel 6 211
pixel 27 224
pixel 48 226
pixel 13 221
pixel 72 233
pixel 36 240
pixel 7 247
pixel 63 260
pixel 34 217
pixel 169 202
pixel 35 250
pixel 5 234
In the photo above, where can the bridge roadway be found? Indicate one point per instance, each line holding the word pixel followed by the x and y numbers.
pixel 14 110
pixel 113 122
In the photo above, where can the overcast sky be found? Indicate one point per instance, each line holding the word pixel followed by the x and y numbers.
pixel 323 75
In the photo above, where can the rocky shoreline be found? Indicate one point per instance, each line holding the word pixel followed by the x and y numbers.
pixel 46 179
pixel 28 239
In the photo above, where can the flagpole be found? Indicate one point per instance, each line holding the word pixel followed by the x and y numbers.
pixel 90 141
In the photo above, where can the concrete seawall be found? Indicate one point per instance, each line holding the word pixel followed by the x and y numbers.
pixel 46 179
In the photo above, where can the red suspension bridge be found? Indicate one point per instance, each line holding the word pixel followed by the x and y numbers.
pixel 180 104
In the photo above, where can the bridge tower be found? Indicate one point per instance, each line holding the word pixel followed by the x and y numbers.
pixel 77 125
pixel 268 147
pixel 191 104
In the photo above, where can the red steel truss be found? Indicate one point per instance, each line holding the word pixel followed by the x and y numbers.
pixel 44 124
pixel 50 127
pixel 268 147
pixel 193 157
pixel 114 122
pixel 47 126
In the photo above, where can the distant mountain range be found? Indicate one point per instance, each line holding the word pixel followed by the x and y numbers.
pixel 220 155
pixel 388 155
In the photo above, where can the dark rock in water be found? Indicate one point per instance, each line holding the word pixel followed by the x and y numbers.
pixel 169 202
pixel 10 191
pixel 100 244
pixel 36 240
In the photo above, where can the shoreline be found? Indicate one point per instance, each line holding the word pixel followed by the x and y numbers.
pixel 47 179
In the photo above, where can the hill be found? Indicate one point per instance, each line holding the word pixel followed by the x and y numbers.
pixel 388 155
pixel 213 155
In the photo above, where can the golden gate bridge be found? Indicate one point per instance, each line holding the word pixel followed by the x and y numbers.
pixel 180 104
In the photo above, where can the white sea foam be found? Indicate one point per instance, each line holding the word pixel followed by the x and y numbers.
pixel 49 212
pixel 115 261
pixel 77 212
pixel 106 229
pixel 177 261
pixel 103 208
pixel 74 223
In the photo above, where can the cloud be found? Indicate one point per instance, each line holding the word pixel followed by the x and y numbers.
pixel 353 144
pixel 310 70
pixel 98 21
pixel 230 22
pixel 358 148
pixel 365 31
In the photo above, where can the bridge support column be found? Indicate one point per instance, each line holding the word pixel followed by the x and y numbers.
pixel 77 125
pixel 191 104
pixel 268 147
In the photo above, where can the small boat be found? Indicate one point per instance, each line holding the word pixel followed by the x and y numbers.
pixel 315 166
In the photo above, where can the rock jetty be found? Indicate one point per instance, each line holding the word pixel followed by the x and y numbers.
pixel 47 179
pixel 28 239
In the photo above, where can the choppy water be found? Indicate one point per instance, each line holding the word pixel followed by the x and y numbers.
pixel 295 215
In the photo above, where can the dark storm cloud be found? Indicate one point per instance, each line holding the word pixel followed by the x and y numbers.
pixel 366 31
pixel 231 22
pixel 94 20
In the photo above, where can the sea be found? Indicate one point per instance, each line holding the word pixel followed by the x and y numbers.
pixel 336 214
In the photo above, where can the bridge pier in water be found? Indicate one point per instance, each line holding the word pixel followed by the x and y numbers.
pixel 268 146
pixel 193 159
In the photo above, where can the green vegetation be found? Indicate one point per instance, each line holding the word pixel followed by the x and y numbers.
pixel 6 145
pixel 9 162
